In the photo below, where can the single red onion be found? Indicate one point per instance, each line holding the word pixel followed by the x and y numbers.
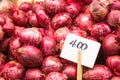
pixel 84 21
pixel 100 30
pixel 9 28
pixel 34 74
pixel 61 20
pixel 20 18
pixel 98 72
pixel 50 64
pixel 115 78
pixel 113 18
pixel 54 6
pixel 31 36
pixel 29 56
pixel 73 8
pixel 25 6
pixel 56 76
pixel 111 44
pixel 33 20
pixel 70 71
pixel 37 6
pixel 98 10
pixel 77 31
pixel 113 62
pixel 115 5
pixel 13 70
pixel 2 20
pixel 1 33
pixel 61 33
pixel 43 18
pixel 48 46
pixel 7 17
pixel 14 44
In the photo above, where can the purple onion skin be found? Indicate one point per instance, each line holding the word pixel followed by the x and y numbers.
pixel 31 36
pixel 1 33
pixel 3 61
pixel 113 62
pixel 34 74
pixel 100 30
pixel 70 71
pixel 13 70
pixel 25 6
pixel 56 76
pixel 115 5
pixel 48 46
pixel 50 64
pixel 98 10
pixel 2 20
pixel 42 18
pixel 55 6
pixel 62 19
pixel 61 33
pixel 98 72
pixel 29 56
pixel 113 19
pixel 111 45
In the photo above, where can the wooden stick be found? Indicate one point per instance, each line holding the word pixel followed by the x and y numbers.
pixel 79 66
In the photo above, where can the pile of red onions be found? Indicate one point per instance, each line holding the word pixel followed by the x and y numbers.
pixel 32 35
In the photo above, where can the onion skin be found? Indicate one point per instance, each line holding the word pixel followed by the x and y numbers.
pixel 113 62
pixel 61 20
pixel 83 21
pixel 29 56
pixel 1 33
pixel 2 20
pixel 113 19
pixel 25 6
pixel 98 72
pixel 31 36
pixel 61 33
pixel 111 39
pixel 70 71
pixel 98 10
pixel 115 78
pixel 55 6
pixel 115 5
pixel 100 30
pixel 50 64
pixel 48 46
pixel 56 76
pixel 13 70
pixel 3 61
pixel 34 74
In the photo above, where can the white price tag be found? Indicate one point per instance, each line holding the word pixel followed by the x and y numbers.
pixel 89 49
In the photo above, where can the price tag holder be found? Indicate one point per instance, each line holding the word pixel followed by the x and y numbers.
pixel 89 49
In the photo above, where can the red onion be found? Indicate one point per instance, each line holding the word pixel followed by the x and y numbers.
pixel 84 21
pixel 54 6
pixel 13 70
pixel 33 20
pixel 9 28
pixel 115 5
pixel 31 36
pixel 25 6
pixel 98 10
pixel 61 20
pixel 1 33
pixel 56 76
pixel 6 7
pixel 20 18
pixel 100 30
pixel 43 18
pixel 41 2
pixel 70 71
pixel 48 46
pixel 87 2
pixel 77 31
pixel 29 56
pixel 98 72
pixel 34 74
pixel 61 33
pixel 3 60
pixel 115 78
pixel 2 20
pixel 113 62
pixel 113 18
pixel 2 78
pixel 8 17
pixel 73 8
pixel 50 64
pixel 111 45
pixel 37 6
pixel 18 30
